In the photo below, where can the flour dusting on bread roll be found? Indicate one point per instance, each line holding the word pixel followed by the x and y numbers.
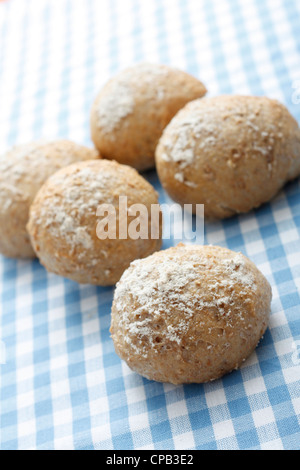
pixel 230 153
pixel 64 221
pixel 23 170
pixel 131 111
pixel 189 313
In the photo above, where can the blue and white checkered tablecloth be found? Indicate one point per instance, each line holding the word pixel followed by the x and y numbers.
pixel 62 385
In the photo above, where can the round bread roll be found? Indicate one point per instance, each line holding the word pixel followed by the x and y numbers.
pixel 23 170
pixel 189 313
pixel 230 153
pixel 131 111
pixel 64 221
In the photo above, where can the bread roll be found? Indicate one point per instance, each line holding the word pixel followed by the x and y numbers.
pixel 131 111
pixel 23 170
pixel 189 313
pixel 64 221
pixel 230 153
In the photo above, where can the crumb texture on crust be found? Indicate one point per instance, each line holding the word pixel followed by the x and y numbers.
pixel 231 153
pixel 23 170
pixel 190 313
pixel 63 221
pixel 131 111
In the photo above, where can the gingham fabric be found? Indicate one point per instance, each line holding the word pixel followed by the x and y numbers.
pixel 62 385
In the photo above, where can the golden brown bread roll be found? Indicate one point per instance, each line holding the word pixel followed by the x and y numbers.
pixel 23 170
pixel 64 221
pixel 189 313
pixel 230 153
pixel 131 111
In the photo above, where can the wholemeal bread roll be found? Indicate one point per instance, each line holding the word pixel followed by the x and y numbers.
pixel 23 170
pixel 65 219
pixel 189 313
pixel 131 111
pixel 230 153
